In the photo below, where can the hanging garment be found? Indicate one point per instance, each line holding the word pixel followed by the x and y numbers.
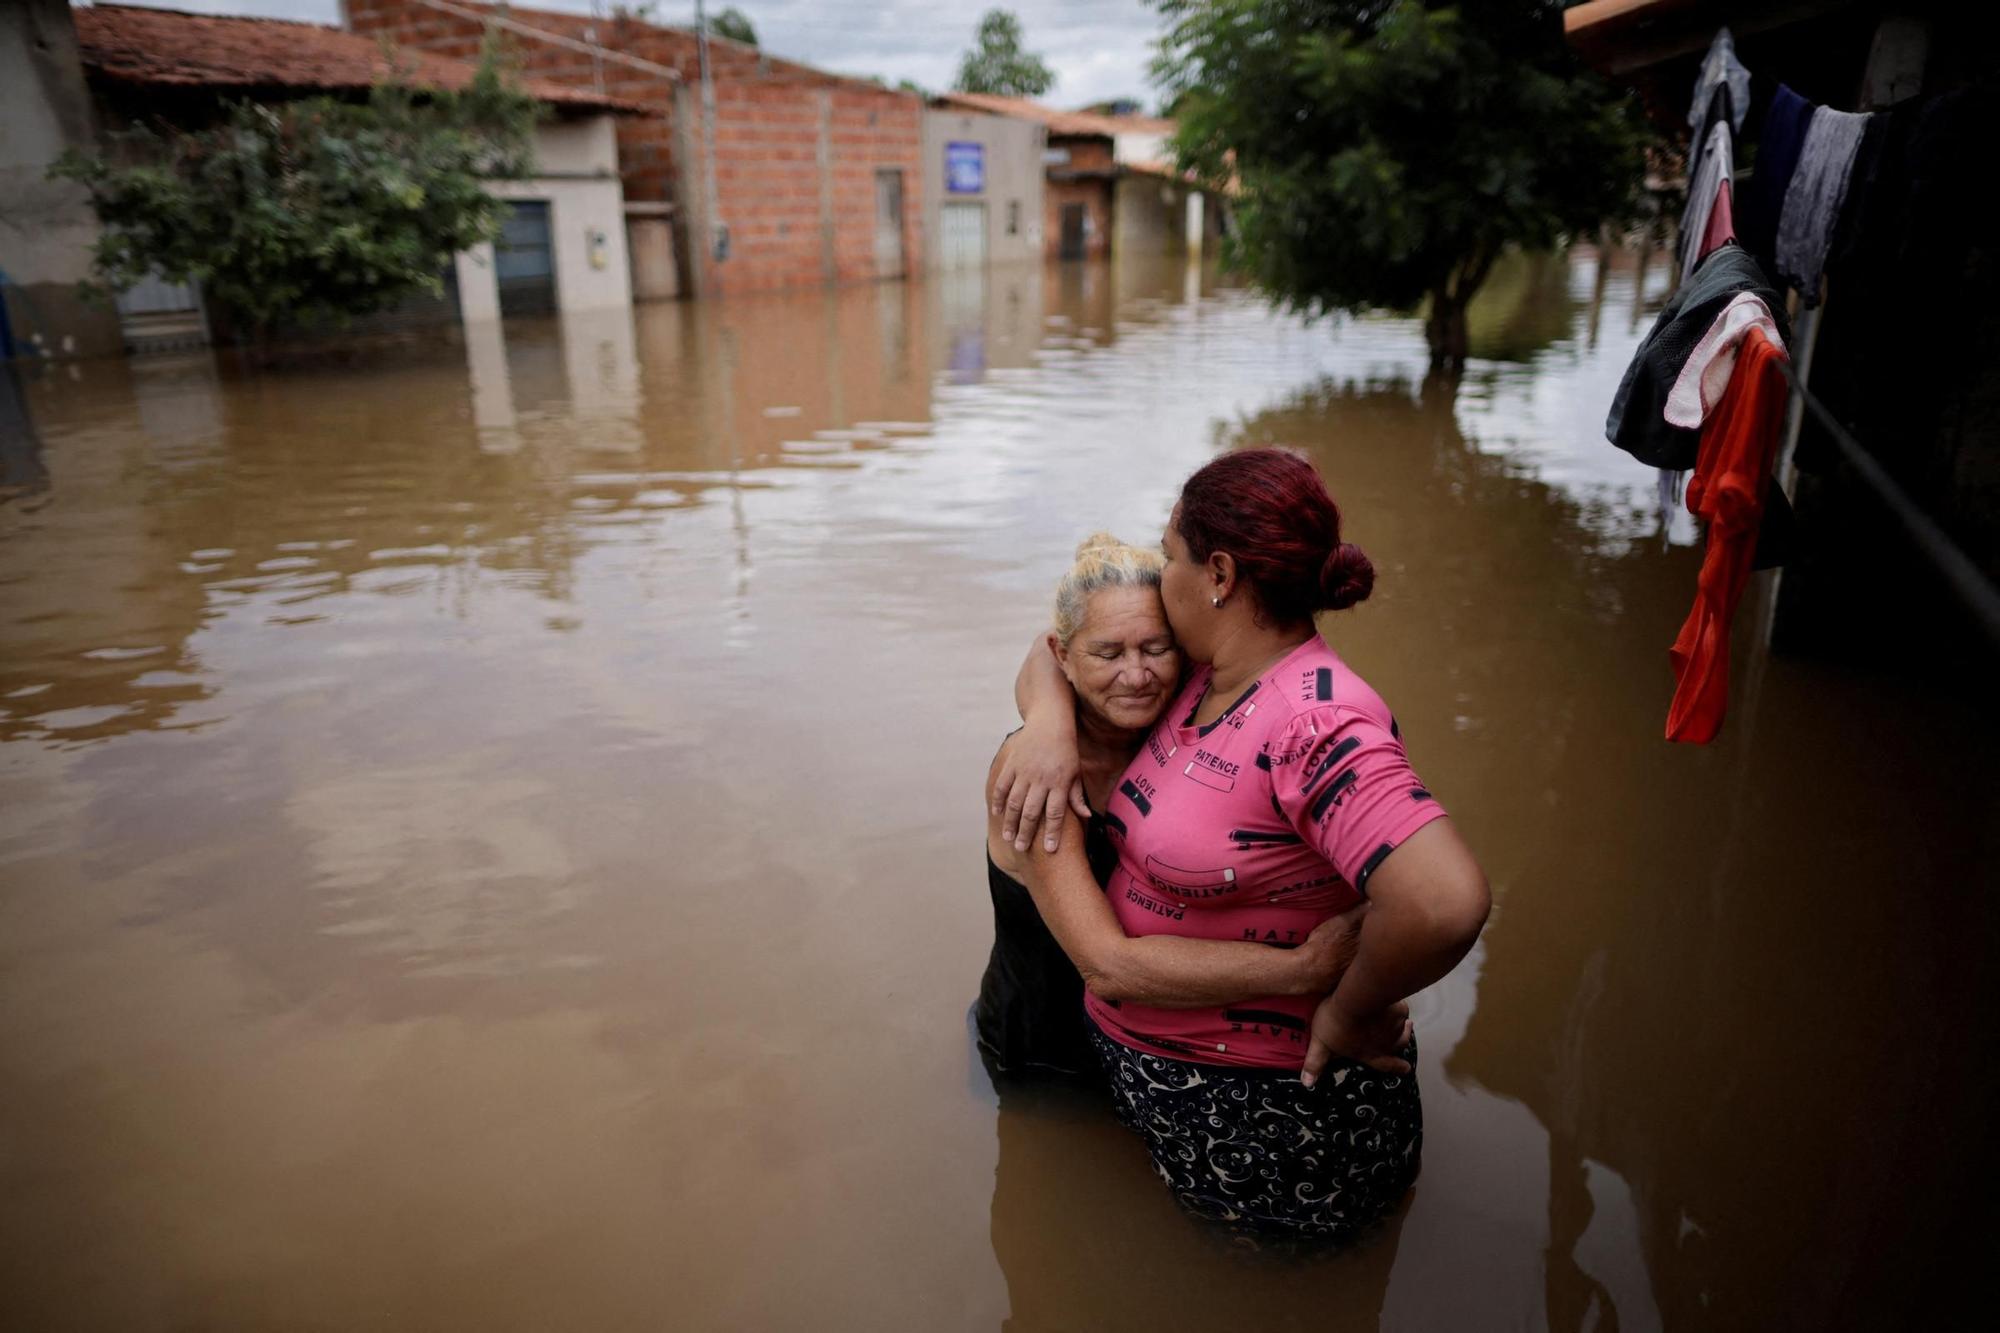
pixel 1704 377
pixel 1721 229
pixel 1918 261
pixel 1813 199
pixel 1728 489
pixel 1720 69
pixel 1721 107
pixel 1712 171
pixel 1637 422
pixel 1785 123
pixel 1872 189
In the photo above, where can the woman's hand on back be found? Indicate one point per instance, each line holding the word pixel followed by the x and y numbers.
pixel 1375 1040
pixel 1039 778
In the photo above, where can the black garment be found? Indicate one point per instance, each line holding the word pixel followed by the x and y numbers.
pixel 1916 264
pixel 1029 1015
pixel 1264 1156
pixel 1720 107
pixel 1759 206
pixel 1871 188
pixel 1638 422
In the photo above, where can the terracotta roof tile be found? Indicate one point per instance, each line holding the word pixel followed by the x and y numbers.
pixel 167 46
pixel 1059 122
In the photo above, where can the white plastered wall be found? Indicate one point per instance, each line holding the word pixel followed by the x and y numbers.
pixel 576 166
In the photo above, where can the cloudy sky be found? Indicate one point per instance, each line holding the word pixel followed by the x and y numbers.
pixel 1098 48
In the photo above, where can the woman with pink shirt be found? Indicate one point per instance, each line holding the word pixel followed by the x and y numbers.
pixel 1273 796
pixel 1111 643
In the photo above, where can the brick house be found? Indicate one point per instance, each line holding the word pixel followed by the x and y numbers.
pixel 1110 188
pixel 817 176
pixel 562 245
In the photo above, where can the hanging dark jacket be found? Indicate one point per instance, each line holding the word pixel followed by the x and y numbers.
pixel 1638 422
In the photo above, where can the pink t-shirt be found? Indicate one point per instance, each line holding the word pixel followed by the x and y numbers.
pixel 1258 826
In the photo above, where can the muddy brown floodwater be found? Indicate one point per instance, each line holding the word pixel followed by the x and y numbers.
pixel 491 837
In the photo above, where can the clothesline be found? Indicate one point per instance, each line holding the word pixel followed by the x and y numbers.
pixel 1973 588
pixel 1710 388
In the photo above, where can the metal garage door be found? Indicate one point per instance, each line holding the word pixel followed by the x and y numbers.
pixel 962 236
pixel 159 316
pixel 524 260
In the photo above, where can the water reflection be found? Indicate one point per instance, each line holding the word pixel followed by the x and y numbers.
pixel 480 844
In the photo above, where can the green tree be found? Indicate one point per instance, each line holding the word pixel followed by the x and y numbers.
pixel 313 210
pixel 734 24
pixel 1386 152
pixel 997 64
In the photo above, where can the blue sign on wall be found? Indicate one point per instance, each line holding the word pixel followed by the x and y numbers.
pixel 964 168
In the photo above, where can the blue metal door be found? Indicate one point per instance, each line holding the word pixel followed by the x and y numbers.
pixel 524 260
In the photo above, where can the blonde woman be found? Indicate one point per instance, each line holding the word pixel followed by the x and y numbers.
pixel 1111 642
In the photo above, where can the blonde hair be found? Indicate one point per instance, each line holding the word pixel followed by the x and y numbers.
pixel 1102 561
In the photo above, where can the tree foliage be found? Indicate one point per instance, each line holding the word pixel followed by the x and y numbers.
pixel 734 24
pixel 997 64
pixel 311 210
pixel 1386 152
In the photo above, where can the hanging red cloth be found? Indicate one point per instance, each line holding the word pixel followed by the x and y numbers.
pixel 1721 227
pixel 1727 490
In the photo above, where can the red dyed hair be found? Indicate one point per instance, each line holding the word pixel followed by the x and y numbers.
pixel 1270 510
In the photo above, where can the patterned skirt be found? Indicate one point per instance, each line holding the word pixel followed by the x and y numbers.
pixel 1265 1157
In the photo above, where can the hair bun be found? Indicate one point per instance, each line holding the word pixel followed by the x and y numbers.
pixel 1347 577
pixel 1097 541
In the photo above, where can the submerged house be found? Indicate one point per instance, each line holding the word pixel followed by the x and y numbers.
pixel 563 247
pixel 983 187
pixel 1112 188
pixel 798 178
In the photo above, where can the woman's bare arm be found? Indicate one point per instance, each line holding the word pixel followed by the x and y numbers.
pixel 1040 776
pixel 1169 971
pixel 1428 903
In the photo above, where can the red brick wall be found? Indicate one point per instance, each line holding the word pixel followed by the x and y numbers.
pixel 767 180
pixel 1085 154
pixel 766 135
pixel 1095 195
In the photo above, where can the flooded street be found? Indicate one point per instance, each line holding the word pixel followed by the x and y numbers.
pixel 490 837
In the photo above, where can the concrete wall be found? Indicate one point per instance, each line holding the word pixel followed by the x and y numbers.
pixel 797 148
pixel 649 245
pixel 577 146
pixel 587 224
pixel 46 229
pixel 1140 147
pixel 1013 180
pixel 1151 216
pixel 576 172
